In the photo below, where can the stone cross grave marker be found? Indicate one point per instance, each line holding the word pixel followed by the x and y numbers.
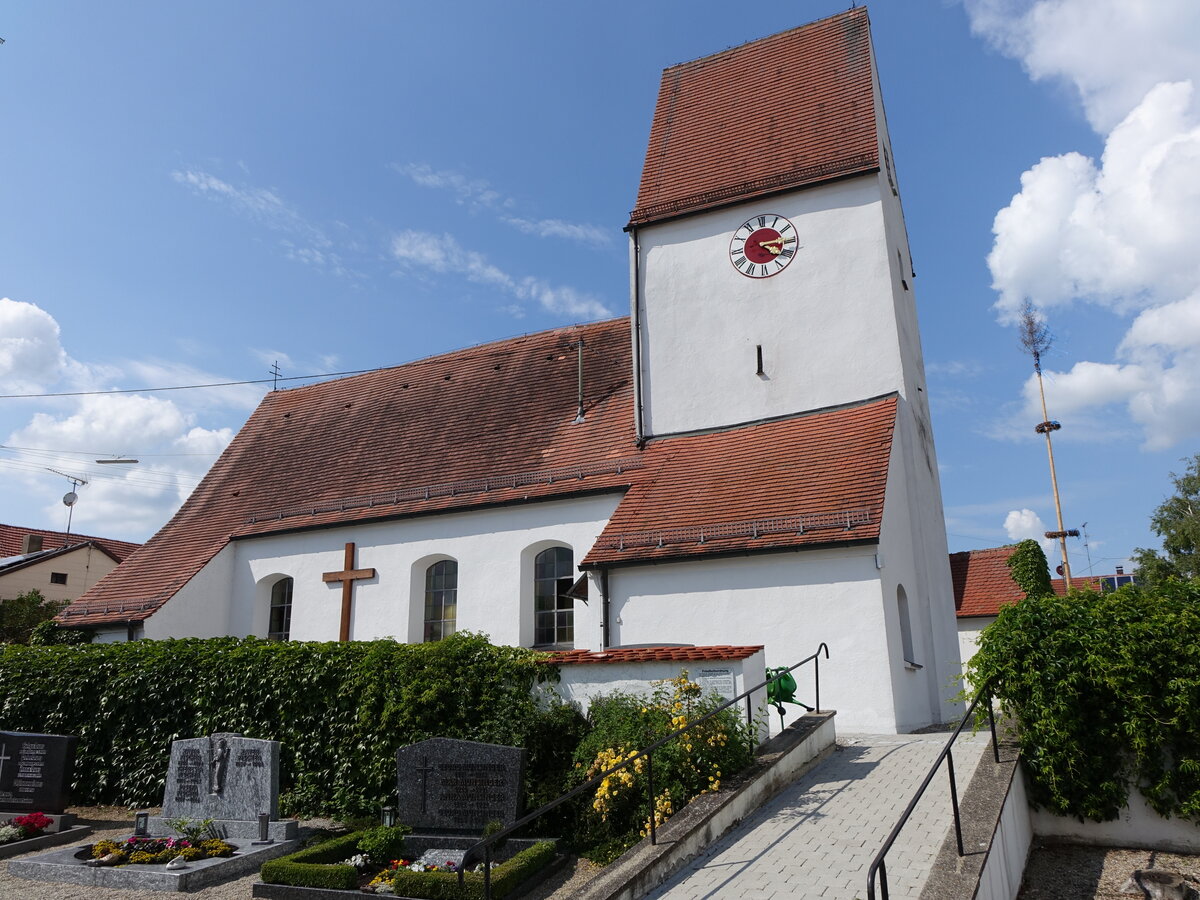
pixel 223 776
pixel 451 785
pixel 36 772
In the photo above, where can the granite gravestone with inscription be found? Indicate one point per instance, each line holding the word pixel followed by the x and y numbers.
pixel 445 784
pixel 224 776
pixel 35 772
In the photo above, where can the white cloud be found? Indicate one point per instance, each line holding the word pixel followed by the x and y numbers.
pixel 474 191
pixel 1023 524
pixel 1111 52
pixel 556 228
pixel 307 244
pixel 31 357
pixel 421 252
pixel 1118 233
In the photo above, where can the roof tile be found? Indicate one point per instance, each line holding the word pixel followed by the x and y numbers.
pixel 788 110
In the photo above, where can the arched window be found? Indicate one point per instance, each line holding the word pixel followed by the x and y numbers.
pixel 906 636
pixel 280 627
pixel 553 608
pixel 441 599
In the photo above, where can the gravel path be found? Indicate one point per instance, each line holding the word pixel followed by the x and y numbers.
pixel 1057 871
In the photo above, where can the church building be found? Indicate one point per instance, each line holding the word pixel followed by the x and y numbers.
pixel 745 459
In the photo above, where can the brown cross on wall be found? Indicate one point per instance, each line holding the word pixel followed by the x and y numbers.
pixel 347 577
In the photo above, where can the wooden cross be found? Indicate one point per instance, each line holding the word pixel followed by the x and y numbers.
pixel 347 577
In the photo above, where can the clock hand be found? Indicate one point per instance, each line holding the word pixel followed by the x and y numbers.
pixel 774 247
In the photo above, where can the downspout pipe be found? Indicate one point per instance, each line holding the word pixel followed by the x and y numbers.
pixel 605 610
pixel 635 291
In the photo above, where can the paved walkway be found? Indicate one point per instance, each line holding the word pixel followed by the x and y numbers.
pixel 817 837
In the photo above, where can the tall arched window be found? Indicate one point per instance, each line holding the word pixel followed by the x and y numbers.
pixel 553 609
pixel 906 636
pixel 441 599
pixel 279 627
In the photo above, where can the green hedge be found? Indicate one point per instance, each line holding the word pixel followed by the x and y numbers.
pixel 505 877
pixel 317 866
pixel 340 710
pixel 1105 689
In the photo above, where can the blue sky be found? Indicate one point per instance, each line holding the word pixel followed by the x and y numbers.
pixel 195 191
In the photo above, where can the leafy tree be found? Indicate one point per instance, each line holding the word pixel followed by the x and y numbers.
pixel 19 616
pixel 1177 522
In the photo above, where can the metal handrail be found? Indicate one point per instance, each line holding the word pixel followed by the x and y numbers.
pixel 487 842
pixel 878 864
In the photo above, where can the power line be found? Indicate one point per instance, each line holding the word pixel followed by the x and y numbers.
pixel 185 387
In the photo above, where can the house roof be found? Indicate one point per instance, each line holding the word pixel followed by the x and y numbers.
pixel 983 582
pixel 12 538
pixel 13 563
pixel 493 425
pixel 792 109
pixel 816 478
pixel 616 655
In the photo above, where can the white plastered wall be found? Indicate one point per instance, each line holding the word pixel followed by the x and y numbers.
pixel 825 322
pixel 923 695
pixel 201 608
pixel 969 630
pixel 581 682
pixel 789 602
pixel 491 546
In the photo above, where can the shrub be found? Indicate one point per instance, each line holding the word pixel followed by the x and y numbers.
pixel 318 866
pixel 691 765
pixel 383 844
pixel 504 877
pixel 1105 691
pixel 340 710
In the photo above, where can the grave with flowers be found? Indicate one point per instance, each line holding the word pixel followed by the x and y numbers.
pixel 449 794
pixel 35 780
pixel 209 831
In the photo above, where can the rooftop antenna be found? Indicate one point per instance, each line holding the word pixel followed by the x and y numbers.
pixel 1086 548
pixel 579 415
pixel 275 373
pixel 1035 340
pixel 70 498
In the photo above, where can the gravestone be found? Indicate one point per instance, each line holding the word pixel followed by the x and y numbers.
pixel 35 772
pixel 225 777
pixel 445 784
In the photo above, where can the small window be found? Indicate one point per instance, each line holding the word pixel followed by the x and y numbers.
pixel 58 577
pixel 280 627
pixel 553 606
pixel 906 635
pixel 441 600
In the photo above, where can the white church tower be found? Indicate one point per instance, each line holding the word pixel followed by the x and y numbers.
pixel 771 276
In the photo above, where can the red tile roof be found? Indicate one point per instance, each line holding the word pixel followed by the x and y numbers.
pixel 650 654
pixel 352 448
pixel 983 582
pixel 12 536
pixel 816 478
pixel 496 424
pixel 792 109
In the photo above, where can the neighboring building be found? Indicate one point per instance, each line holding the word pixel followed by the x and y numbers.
pixel 62 566
pixel 983 584
pixel 749 461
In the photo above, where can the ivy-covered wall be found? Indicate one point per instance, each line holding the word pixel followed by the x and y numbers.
pixel 339 710
pixel 1105 689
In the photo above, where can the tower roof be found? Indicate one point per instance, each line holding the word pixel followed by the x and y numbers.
pixel 788 110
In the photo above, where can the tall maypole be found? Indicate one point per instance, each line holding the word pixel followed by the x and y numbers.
pixel 1036 340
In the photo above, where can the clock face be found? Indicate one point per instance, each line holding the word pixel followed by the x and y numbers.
pixel 763 246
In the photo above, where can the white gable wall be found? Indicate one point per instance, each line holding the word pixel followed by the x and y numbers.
pixel 204 607
pixel 790 602
pixel 825 323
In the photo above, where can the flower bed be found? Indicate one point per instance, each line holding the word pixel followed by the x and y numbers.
pixel 149 850
pixel 24 827
pixel 340 864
